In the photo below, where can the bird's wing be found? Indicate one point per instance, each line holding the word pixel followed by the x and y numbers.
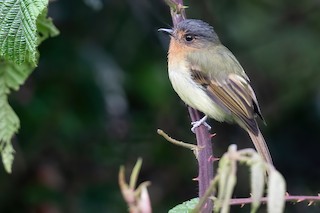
pixel 233 94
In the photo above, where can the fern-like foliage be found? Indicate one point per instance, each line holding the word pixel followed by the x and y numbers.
pixel 11 76
pixel 23 26
pixel 18 31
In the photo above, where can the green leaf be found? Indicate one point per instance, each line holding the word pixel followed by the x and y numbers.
pixel 18 29
pixel 276 192
pixel 7 157
pixel 45 27
pixel 9 120
pixel 8 126
pixel 11 77
pixel 23 26
pixel 185 207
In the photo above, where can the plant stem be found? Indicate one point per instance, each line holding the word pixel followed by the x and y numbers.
pixel 205 158
pixel 293 198
pixel 203 137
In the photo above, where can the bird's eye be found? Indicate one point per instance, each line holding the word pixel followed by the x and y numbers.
pixel 189 38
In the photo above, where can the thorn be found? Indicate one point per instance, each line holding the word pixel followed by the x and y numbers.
pixel 213 135
pixel 287 194
pixel 310 203
pixel 250 194
pixel 242 205
pixel 300 200
pixel 318 194
pixel 195 179
pixel 214 159
pixel 205 205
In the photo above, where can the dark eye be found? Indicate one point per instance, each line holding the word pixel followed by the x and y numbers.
pixel 189 38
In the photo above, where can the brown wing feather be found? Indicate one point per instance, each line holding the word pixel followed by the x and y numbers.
pixel 234 95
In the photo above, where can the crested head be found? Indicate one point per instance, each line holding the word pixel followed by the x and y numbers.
pixel 195 33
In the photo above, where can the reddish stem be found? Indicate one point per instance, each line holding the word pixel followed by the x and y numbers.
pixel 203 136
pixel 298 199
pixel 205 158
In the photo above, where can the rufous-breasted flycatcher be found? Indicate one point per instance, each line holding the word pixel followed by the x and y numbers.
pixel 209 78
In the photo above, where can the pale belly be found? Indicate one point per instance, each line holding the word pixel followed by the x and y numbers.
pixel 194 96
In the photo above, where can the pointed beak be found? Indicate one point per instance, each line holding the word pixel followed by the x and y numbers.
pixel 166 31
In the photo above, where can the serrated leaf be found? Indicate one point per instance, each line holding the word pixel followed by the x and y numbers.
pixel 23 26
pixel 257 182
pixel 9 121
pixel 45 27
pixel 8 127
pixel 11 77
pixel 14 75
pixel 185 207
pixel 276 192
pixel 18 29
pixel 7 157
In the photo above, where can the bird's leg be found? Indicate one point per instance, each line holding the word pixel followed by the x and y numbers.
pixel 196 124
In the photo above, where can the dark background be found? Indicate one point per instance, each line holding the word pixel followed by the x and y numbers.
pixel 101 90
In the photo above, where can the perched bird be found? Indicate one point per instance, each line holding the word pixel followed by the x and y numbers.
pixel 209 78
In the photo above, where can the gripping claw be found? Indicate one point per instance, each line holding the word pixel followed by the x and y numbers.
pixel 198 123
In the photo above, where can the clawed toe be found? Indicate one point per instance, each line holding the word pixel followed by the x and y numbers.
pixel 198 123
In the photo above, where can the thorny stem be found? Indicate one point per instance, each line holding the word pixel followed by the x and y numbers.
pixel 297 199
pixel 205 155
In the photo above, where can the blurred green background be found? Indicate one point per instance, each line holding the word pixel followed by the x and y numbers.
pixel 101 90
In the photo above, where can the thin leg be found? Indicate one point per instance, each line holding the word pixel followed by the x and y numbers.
pixel 199 123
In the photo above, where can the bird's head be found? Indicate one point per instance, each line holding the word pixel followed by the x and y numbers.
pixel 193 33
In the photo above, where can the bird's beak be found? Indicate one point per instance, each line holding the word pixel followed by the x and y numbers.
pixel 166 31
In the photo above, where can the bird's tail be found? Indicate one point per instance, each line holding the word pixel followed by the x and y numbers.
pixel 261 146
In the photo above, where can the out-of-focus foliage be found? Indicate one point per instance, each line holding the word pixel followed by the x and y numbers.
pixel 101 90
pixel 23 26
pixel 221 188
pixel 136 197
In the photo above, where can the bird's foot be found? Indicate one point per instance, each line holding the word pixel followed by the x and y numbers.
pixel 198 123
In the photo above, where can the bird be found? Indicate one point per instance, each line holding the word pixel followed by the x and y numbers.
pixel 208 77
